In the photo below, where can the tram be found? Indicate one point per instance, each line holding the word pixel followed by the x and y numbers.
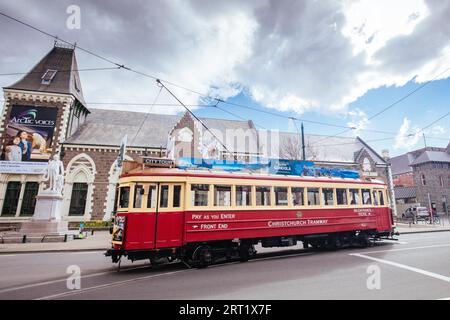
pixel 200 216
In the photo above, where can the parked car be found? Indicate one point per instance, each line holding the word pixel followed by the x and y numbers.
pixel 416 212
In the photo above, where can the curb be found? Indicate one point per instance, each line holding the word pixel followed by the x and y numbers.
pixel 52 251
pixel 422 231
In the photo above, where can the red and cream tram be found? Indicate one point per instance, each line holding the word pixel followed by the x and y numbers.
pixel 200 216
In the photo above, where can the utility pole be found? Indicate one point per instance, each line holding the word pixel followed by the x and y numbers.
pixel 303 143
pixel 424 140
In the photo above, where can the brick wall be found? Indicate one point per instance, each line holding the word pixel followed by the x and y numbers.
pixel 432 172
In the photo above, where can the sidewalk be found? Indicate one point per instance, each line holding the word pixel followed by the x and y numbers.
pixel 101 240
pixel 405 227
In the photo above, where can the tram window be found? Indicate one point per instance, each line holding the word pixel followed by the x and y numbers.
pixel 199 195
pixel 375 197
pixel 243 195
pixel 222 196
pixel 313 197
pixel 138 194
pixel 124 197
pixel 298 196
pixel 281 196
pixel 381 198
pixel 164 197
pixel 176 196
pixel 151 199
pixel 327 196
pixel 354 196
pixel 341 196
pixel 263 196
pixel 366 196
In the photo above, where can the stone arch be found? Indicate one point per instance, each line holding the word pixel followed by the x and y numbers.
pixel 113 179
pixel 80 169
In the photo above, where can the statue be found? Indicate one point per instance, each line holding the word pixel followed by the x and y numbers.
pixel 55 175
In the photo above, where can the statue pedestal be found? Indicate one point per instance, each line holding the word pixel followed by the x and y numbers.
pixel 47 216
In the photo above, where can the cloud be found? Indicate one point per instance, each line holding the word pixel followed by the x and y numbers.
pixel 407 137
pixel 358 121
pixel 304 56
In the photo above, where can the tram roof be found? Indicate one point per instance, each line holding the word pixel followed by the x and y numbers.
pixel 254 175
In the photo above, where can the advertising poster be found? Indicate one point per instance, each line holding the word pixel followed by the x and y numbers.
pixel 29 137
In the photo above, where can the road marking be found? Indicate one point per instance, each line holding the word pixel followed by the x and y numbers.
pixel 404 266
pixel 393 241
pixel 108 285
pixel 87 252
pixel 444 298
pixel 412 248
pixel 283 256
pixel 8 255
pixel 38 284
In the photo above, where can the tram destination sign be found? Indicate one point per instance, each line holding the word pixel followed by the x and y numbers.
pixel 157 162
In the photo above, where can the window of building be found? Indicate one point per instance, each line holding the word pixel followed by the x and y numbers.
pixel 78 199
pixel 341 196
pixel 298 196
pixel 424 181
pixel 151 197
pixel 366 196
pixel 381 198
pixel 124 197
pixel 354 196
pixel 199 195
pixel 313 196
pixel 375 197
pixel 222 196
pixel 327 194
pixel 29 199
pixel 263 196
pixel 281 196
pixel 164 197
pixel 441 181
pixel 138 194
pixel 11 198
pixel 176 196
pixel 48 76
pixel 243 195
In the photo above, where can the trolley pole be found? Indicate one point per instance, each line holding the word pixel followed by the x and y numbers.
pixel 303 143
pixel 431 209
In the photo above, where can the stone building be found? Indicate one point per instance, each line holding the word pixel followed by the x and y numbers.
pixel 423 177
pixel 48 104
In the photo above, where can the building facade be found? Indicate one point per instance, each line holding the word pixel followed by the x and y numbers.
pixel 422 177
pixel 88 142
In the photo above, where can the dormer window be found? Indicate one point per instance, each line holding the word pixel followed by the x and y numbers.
pixel 48 76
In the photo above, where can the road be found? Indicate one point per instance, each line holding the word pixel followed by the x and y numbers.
pixel 415 267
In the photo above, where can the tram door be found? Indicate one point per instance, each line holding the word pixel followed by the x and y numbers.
pixel 169 215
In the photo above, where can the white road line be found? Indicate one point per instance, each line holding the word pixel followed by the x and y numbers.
pixel 412 248
pixel 87 252
pixel 444 298
pixel 7 255
pixel 107 285
pixel 38 284
pixel 404 266
pixel 393 241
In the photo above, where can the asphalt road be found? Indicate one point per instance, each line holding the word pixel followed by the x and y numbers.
pixel 415 267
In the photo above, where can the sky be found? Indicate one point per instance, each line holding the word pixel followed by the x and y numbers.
pixel 337 62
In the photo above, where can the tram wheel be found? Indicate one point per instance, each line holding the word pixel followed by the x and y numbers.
pixel 202 256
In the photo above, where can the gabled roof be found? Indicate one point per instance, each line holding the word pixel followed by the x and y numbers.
pixel 432 156
pixel 401 164
pixel 66 80
pixel 108 127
